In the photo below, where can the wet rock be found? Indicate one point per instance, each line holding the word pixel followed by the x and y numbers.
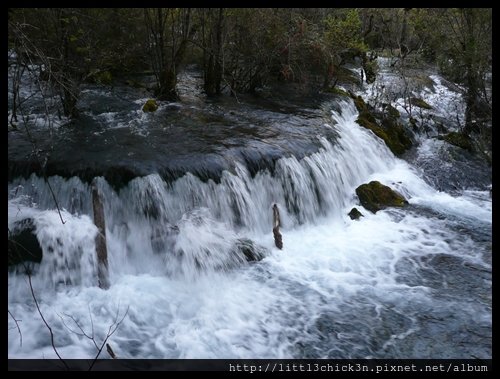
pixel 23 243
pixel 374 196
pixel 150 106
pixel 355 214
pixel 250 250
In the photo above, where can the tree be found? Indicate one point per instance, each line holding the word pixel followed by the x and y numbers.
pixel 343 37
pixel 169 31
pixel 212 40
pixel 467 57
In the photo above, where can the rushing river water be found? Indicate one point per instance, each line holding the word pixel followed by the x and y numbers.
pixel 402 283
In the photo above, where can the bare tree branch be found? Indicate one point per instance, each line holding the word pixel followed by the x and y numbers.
pixel 18 328
pixel 45 322
pixel 111 330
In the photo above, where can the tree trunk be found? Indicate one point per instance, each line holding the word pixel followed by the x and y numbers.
pixel 472 79
pixel 167 86
pixel 213 68
pixel 100 241
pixel 471 98
pixel 69 100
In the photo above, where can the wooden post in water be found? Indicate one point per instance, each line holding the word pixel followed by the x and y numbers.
pixel 100 240
pixel 278 241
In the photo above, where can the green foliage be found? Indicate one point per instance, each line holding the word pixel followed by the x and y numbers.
pixel 344 32
pixel 242 49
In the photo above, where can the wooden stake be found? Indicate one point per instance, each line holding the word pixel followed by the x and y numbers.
pixel 100 240
pixel 278 240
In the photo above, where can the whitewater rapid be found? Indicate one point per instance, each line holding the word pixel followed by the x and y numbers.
pixel 387 286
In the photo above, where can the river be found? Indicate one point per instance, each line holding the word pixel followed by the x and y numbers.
pixel 402 283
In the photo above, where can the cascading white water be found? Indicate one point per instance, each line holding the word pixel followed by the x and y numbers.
pixel 188 224
pixel 173 262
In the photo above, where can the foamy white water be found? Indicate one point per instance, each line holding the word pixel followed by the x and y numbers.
pixel 390 285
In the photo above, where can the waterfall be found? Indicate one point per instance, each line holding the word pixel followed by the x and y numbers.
pixel 401 283
pixel 188 225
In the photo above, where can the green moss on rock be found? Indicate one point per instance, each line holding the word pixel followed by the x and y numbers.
pixel 460 140
pixel 388 129
pixel 337 91
pixel 392 133
pixel 359 103
pixel 419 103
pixel 393 112
pixel 150 106
pixel 398 140
pixel 374 196
pixel 355 214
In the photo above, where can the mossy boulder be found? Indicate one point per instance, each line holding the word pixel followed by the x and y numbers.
pixel 150 106
pixel 360 104
pixel 374 196
pixel 392 112
pixel 384 125
pixel 460 140
pixel 393 133
pixel 337 91
pixel 419 103
pixel 398 140
pixel 355 214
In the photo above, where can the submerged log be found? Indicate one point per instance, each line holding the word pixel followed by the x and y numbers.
pixel 100 240
pixel 278 241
